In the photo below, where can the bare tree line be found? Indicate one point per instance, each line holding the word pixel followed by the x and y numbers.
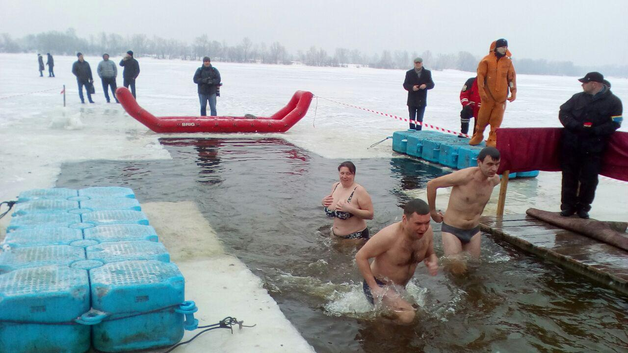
pixel 68 43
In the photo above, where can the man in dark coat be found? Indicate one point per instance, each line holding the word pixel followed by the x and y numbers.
pixel 51 64
pixel 417 82
pixel 41 65
pixel 208 80
pixel 589 118
pixel 83 73
pixel 131 71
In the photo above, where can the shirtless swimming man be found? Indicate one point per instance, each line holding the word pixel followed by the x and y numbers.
pixel 397 250
pixel 472 188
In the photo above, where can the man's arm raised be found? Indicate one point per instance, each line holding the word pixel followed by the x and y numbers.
pixel 453 179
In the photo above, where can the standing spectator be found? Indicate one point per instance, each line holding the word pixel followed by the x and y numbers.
pixel 83 73
pixel 590 118
pixel 51 64
pixel 470 100
pixel 496 76
pixel 207 78
pixel 131 71
pixel 41 65
pixel 417 82
pixel 107 71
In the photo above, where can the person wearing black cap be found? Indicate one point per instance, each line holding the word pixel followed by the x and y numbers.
pixel 107 71
pixel 208 80
pixel 83 73
pixel 590 118
pixel 131 71
pixel 496 78
pixel 418 80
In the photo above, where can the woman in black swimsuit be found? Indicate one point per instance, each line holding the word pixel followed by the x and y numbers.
pixel 349 205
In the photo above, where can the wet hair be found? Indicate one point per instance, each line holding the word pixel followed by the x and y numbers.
pixel 489 151
pixel 417 206
pixel 349 166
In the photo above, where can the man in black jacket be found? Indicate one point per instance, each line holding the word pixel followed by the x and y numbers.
pixel 207 78
pixel 417 82
pixel 131 71
pixel 589 118
pixel 51 64
pixel 83 73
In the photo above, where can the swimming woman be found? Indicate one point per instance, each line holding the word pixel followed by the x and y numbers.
pixel 349 205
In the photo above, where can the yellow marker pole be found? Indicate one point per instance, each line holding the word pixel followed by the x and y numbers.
pixel 501 202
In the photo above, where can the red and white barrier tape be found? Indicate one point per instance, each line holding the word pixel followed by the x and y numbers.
pixel 399 118
pixel 26 94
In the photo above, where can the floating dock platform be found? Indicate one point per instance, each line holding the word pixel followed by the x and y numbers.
pixel 445 149
pixel 83 269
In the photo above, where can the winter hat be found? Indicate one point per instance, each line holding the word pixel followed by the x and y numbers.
pixel 501 43
pixel 592 76
pixel 130 52
pixel 418 60
pixel 206 59
pixel 105 54
pixel 78 54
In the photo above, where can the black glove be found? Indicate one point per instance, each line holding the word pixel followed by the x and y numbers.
pixel 466 112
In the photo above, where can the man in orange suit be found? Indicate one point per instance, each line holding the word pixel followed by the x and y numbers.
pixel 496 78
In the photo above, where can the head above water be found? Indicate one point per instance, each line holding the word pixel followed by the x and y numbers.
pixel 488 161
pixel 349 165
pixel 416 218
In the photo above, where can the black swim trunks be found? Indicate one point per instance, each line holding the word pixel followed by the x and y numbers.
pixel 367 290
pixel 464 235
pixel 362 234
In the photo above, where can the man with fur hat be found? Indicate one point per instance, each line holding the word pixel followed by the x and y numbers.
pixel 496 77
pixel 131 71
pixel 417 82
pixel 590 118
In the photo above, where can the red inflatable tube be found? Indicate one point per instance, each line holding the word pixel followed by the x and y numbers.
pixel 281 121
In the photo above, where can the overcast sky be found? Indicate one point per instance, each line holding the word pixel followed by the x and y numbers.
pixel 585 32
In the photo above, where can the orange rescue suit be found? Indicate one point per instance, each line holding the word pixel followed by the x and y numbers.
pixel 496 76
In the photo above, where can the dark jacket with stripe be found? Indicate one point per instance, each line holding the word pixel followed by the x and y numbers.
pixel 602 111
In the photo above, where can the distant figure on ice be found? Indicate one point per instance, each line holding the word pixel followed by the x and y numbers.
pixel 496 77
pixel 83 73
pixel 470 100
pixel 396 251
pixel 107 71
pixel 472 188
pixel 131 71
pixel 51 64
pixel 417 82
pixel 590 118
pixel 208 80
pixel 41 65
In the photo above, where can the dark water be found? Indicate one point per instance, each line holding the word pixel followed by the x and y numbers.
pixel 263 199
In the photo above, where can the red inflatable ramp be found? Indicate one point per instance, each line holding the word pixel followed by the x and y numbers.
pixel 281 121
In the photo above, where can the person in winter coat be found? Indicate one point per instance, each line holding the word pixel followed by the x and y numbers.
pixel 417 82
pixel 496 77
pixel 131 71
pixel 41 65
pixel 208 80
pixel 471 102
pixel 107 71
pixel 590 118
pixel 83 73
pixel 51 64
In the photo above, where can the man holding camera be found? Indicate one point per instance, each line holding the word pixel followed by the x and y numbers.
pixel 207 78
